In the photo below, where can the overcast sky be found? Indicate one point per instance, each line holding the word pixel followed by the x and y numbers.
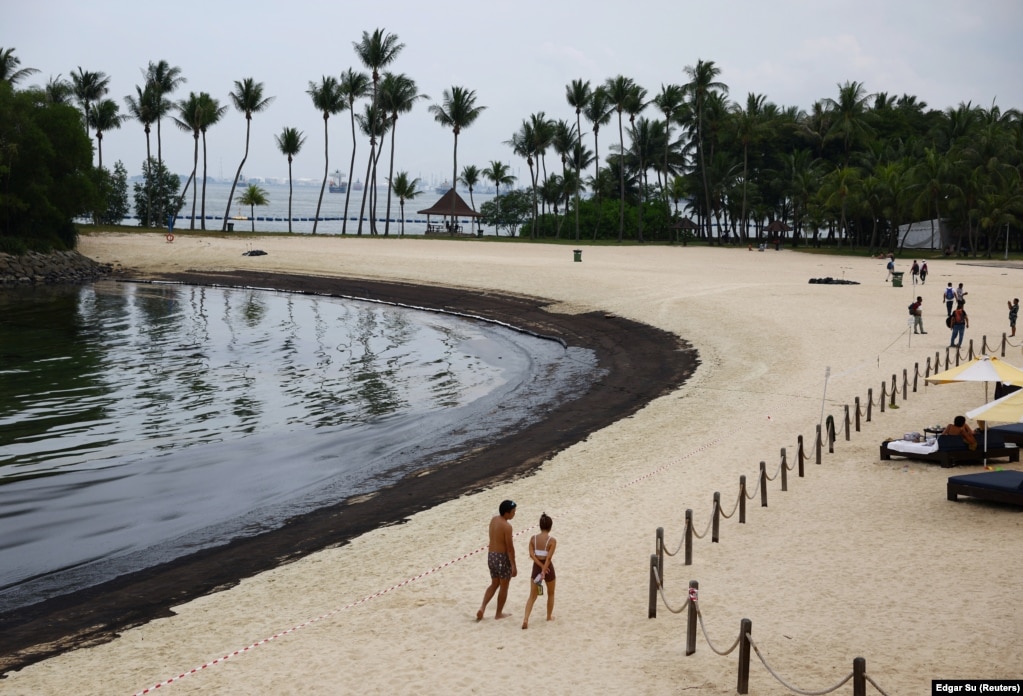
pixel 517 55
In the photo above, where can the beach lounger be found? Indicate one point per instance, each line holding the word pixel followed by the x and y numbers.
pixel 1001 486
pixel 1010 433
pixel 950 450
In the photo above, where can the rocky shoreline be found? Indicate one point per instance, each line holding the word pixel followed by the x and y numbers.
pixel 50 269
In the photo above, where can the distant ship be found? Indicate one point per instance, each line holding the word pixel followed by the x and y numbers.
pixel 443 188
pixel 357 186
pixel 338 184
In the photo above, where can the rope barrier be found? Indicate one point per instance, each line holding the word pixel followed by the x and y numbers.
pixel 667 606
pixel 710 643
pixel 788 686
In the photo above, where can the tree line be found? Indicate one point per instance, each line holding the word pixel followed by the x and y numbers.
pixel 685 162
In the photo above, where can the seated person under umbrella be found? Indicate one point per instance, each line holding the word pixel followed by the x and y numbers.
pixel 960 427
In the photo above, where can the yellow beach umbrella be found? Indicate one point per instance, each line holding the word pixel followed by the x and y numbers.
pixel 1008 409
pixel 981 369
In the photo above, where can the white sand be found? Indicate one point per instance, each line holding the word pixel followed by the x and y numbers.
pixel 859 558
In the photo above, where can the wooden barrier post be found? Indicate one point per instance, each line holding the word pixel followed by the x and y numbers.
pixel 717 517
pixel 883 397
pixel 659 545
pixel 689 536
pixel 905 384
pixel 800 455
pixel 742 499
pixel 694 593
pixel 1005 340
pixel 763 484
pixel 784 471
pixel 651 612
pixel 895 391
pixel 745 629
pixel 829 424
pixel 927 368
pixel 969 353
pixel 859 677
pixel 848 427
pixel 817 445
pixel 870 403
pixel 916 375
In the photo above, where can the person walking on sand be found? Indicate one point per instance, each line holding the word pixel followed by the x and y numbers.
pixel 915 271
pixel 917 313
pixel 541 550
pixel 961 295
pixel 960 322
pixel 950 298
pixel 891 269
pixel 923 273
pixel 1013 313
pixel 500 559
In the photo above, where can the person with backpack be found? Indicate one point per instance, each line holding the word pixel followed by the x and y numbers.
pixel 923 273
pixel 915 271
pixel 1013 312
pixel 950 297
pixel 960 322
pixel 917 314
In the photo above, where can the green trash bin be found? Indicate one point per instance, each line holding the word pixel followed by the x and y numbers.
pixel 897 279
pixel 577 254
pixel 230 227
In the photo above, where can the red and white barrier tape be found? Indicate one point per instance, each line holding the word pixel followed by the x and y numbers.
pixel 403 583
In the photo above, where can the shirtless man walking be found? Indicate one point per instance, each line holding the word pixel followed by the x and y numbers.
pixel 500 559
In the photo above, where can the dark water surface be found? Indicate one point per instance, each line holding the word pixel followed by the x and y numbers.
pixel 142 422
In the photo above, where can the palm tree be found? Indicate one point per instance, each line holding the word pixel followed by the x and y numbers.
pixel 103 117
pixel 353 86
pixel 456 111
pixel 471 177
pixel 376 51
pixel 328 100
pixel 252 196
pixel 398 94
pixel 523 144
pixel 850 117
pixel 189 119
pixel 623 94
pixel 89 87
pixel 248 98
pixel 143 107
pixel 289 142
pixel 210 113
pixel 373 124
pixel 164 80
pixel 58 90
pixel 578 95
pixel 500 174
pixel 598 113
pixel 669 102
pixel 9 70
pixel 702 84
pixel 405 189
pixel 749 124
pixel 565 139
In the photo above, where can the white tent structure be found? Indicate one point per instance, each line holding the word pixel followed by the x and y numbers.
pixel 924 234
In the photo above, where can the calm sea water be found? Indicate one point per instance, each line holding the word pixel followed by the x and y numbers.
pixel 140 422
pixel 274 216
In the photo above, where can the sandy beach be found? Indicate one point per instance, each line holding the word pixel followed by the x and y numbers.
pixel 859 558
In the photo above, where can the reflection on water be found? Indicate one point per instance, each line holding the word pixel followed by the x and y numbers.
pixel 139 422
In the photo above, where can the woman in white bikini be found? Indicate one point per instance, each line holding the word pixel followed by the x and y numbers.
pixel 541 550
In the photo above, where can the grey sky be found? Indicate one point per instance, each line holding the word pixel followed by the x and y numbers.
pixel 518 56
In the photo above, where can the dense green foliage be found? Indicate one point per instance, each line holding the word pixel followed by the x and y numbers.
pixel 156 197
pixel 46 173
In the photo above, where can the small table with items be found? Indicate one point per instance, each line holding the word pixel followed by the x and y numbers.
pixel 934 430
